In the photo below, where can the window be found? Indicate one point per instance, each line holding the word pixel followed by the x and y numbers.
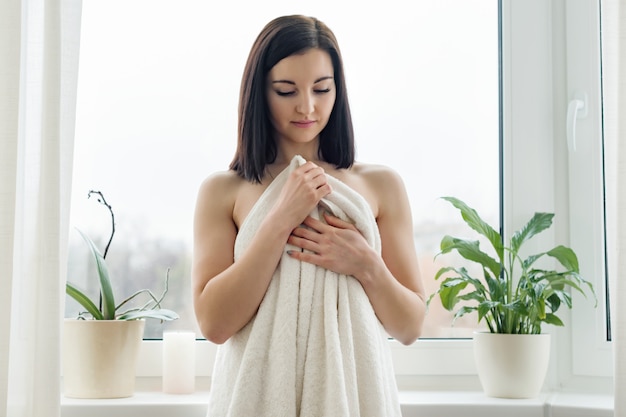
pixel 157 113
pixel 587 160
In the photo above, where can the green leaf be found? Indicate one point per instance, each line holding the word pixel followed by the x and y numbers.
pixel 541 308
pixel 448 294
pixel 554 300
pixel 83 300
pixel 470 250
pixel 485 307
pixel 108 301
pixel 473 296
pixel 557 282
pixel 538 223
pixel 510 300
pixel 496 286
pixel 473 220
pixel 463 311
pixel 566 257
pixel 443 271
pixel 531 260
pixel 517 306
pixel 538 290
pixel 160 314
pixel 552 319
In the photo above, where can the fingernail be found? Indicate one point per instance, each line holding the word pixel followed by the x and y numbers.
pixel 289 252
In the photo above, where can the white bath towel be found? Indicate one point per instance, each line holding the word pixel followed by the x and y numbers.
pixel 315 347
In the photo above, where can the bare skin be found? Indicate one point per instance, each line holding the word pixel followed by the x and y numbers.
pixel 227 294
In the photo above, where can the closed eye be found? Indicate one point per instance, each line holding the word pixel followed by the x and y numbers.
pixel 291 93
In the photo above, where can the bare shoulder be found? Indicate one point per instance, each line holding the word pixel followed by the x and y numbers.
pixel 384 185
pixel 380 178
pixel 219 191
pixel 221 180
pixel 226 194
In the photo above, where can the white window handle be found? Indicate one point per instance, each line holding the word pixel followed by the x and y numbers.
pixel 575 109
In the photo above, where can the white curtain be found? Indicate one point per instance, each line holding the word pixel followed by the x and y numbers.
pixel 38 73
pixel 614 78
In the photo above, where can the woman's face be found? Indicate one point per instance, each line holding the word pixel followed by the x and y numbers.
pixel 301 95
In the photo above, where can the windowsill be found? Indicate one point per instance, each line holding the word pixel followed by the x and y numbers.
pixel 414 403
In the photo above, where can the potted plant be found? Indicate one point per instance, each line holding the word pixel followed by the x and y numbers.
pixel 101 346
pixel 513 297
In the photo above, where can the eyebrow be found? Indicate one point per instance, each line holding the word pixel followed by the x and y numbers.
pixel 328 77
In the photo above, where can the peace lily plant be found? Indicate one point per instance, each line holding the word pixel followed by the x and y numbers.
pixel 513 295
pixel 107 309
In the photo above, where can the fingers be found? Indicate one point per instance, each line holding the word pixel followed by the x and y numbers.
pixel 304 243
pixel 313 223
pixel 331 220
pixel 309 235
pixel 312 233
pixel 316 176
pixel 310 166
pixel 336 248
pixel 337 222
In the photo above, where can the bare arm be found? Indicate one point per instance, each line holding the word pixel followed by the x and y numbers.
pixel 392 281
pixel 227 294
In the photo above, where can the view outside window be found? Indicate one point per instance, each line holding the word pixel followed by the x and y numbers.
pixel 157 113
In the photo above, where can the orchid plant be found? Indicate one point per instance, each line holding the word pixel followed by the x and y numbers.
pixel 107 309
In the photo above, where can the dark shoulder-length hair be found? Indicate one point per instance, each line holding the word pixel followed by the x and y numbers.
pixel 283 37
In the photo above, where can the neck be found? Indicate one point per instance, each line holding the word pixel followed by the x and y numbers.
pixel 307 151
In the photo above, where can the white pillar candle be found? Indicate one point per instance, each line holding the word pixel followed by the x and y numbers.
pixel 179 362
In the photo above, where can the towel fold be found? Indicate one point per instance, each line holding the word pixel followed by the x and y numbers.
pixel 315 348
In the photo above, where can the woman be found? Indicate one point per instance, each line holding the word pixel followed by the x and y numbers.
pixel 295 155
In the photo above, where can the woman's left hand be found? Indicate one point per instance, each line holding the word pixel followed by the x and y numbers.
pixel 337 246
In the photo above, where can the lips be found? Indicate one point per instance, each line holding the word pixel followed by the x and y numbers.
pixel 304 123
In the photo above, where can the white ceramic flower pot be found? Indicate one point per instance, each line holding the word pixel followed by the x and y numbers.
pixel 100 356
pixel 511 365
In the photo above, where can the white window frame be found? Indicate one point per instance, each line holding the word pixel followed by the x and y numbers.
pixel 591 353
pixel 535 177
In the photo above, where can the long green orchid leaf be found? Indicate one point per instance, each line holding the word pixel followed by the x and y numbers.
pixel 83 300
pixel 108 301
pixel 160 314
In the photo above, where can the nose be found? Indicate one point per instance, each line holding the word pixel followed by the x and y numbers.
pixel 305 104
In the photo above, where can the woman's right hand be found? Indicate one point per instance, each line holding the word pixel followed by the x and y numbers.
pixel 302 192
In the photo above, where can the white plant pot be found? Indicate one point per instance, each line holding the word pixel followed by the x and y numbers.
pixel 100 357
pixel 511 365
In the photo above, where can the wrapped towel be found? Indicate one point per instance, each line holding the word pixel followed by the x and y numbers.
pixel 315 347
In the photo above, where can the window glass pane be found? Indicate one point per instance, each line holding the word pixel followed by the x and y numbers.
pixel 157 113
